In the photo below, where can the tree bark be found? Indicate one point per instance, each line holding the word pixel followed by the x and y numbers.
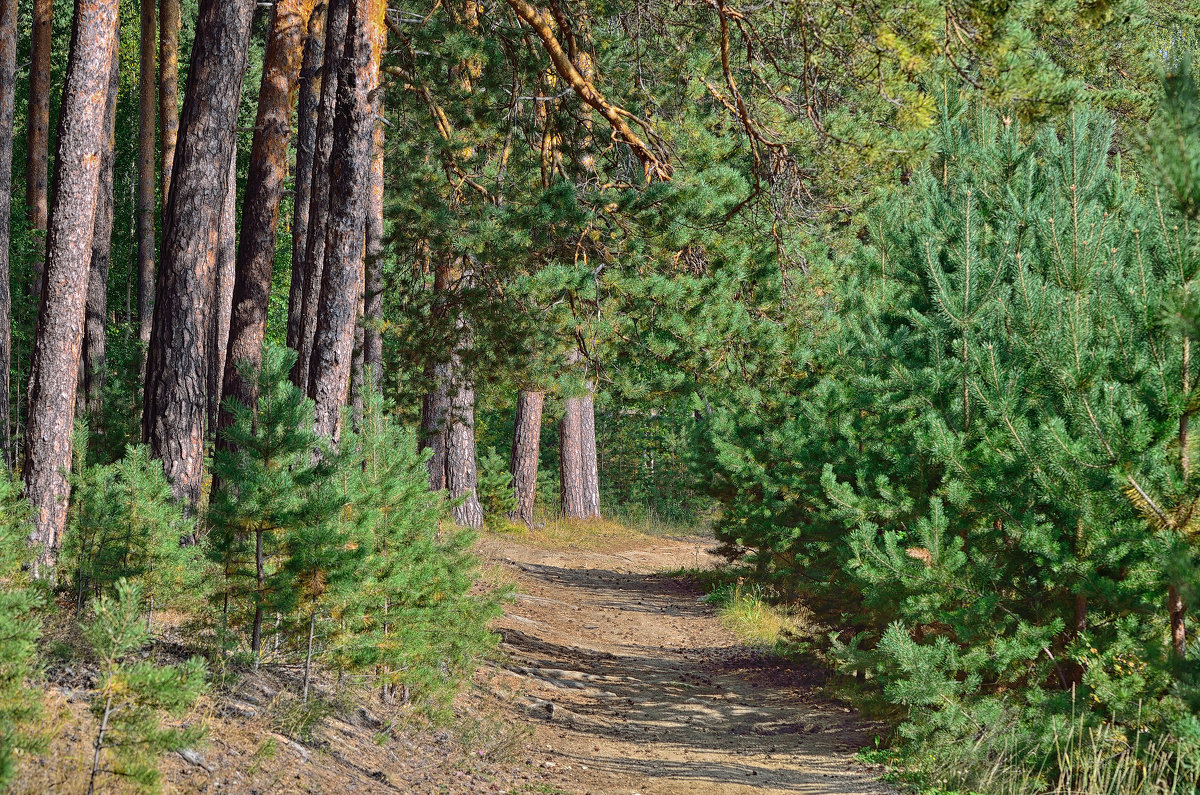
pixel 587 450
pixel 8 93
pixel 69 240
pixel 37 140
pixel 223 291
pixel 307 116
pixel 433 425
pixel 570 440
pixel 177 377
pixel 319 196
pixel 170 18
pixel 527 435
pixel 251 288
pixel 342 274
pixel 146 177
pixel 373 297
pixel 96 312
pixel 461 471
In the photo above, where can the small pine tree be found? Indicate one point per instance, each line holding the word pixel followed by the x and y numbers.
pixel 20 627
pixel 132 694
pixel 495 485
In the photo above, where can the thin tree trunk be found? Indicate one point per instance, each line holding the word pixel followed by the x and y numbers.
pixel 170 18
pixel 587 455
pixel 260 210
pixel 461 470
pixel 223 293
pixel 69 241
pixel 8 92
pixel 312 625
pixel 336 25
pixel 261 580
pixel 357 372
pixel 570 440
pixel 342 275
pixel 527 435
pixel 373 290
pixel 433 425
pixel 96 317
pixel 1177 611
pixel 146 179
pixel 176 404
pixel 37 138
pixel 307 116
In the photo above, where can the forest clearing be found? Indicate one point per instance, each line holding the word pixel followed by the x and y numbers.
pixel 609 396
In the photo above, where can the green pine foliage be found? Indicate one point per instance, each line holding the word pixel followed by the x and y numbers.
pixel 132 695
pixel 495 485
pixel 20 628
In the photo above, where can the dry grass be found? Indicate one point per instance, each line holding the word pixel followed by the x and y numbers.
pixel 590 535
pixel 746 612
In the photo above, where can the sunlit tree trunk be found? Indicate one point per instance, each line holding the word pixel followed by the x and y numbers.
pixel 8 92
pixel 373 296
pixel 461 470
pixel 177 377
pixel 223 293
pixel 37 137
pixel 527 435
pixel 146 174
pixel 59 335
pixel 95 333
pixel 170 18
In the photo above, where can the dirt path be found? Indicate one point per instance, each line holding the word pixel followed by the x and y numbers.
pixel 633 686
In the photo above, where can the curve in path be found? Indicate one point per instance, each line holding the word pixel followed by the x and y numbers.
pixel 633 685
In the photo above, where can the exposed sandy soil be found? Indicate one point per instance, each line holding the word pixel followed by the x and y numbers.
pixel 635 686
pixel 611 679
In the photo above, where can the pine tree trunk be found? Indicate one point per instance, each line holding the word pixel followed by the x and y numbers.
pixel 69 241
pixel 527 434
pixel 349 184
pixel 223 293
pixel 1177 611
pixel 336 25
pixel 96 312
pixel 8 93
pixel 307 114
pixel 570 441
pixel 461 471
pixel 373 297
pixel 260 209
pixel 37 138
pixel 587 455
pixel 357 372
pixel 170 18
pixel 433 424
pixel 176 383
pixel 146 177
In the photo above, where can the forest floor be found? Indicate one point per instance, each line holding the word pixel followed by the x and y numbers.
pixel 611 677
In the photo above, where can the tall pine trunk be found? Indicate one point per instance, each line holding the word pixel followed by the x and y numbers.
pixel 433 424
pixel 37 138
pixel 95 333
pixel 527 435
pixel 146 176
pixel 69 240
pixel 373 289
pixel 570 443
pixel 320 194
pixel 177 377
pixel 587 457
pixel 308 113
pixel 8 92
pixel 342 274
pixel 461 469
pixel 260 210
pixel 170 18
pixel 223 293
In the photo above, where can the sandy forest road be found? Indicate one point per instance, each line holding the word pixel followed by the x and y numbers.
pixel 633 686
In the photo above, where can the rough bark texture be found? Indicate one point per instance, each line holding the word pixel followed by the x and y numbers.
pixel 319 195
pixel 223 293
pixel 373 297
pixel 260 210
pixel 587 455
pixel 527 436
pixel 177 377
pixel 8 91
pixel 146 174
pixel 357 373
pixel 170 17
pixel 307 115
pixel 69 241
pixel 95 340
pixel 570 439
pixel 37 138
pixel 461 472
pixel 433 425
pixel 342 275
